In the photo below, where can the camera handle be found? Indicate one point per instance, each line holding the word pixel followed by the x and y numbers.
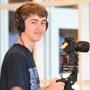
pixel 70 80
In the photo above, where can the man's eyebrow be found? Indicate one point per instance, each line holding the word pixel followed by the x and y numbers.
pixel 44 20
pixel 37 20
pixel 34 20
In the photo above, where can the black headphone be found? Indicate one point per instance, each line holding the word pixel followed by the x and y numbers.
pixel 19 22
pixel 20 25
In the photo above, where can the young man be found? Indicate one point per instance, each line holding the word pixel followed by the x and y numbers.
pixel 18 70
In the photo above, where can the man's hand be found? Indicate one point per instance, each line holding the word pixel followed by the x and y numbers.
pixel 16 88
pixel 55 85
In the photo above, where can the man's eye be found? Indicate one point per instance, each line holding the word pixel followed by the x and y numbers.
pixel 34 22
pixel 44 23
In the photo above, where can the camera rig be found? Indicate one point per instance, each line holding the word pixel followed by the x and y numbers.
pixel 69 60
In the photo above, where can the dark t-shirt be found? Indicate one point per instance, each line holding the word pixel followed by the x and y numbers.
pixel 19 69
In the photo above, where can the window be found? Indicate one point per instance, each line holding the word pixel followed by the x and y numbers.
pixel 15 1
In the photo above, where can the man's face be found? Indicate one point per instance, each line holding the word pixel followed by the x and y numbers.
pixel 35 27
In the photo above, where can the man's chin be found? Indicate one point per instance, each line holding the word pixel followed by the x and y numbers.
pixel 37 40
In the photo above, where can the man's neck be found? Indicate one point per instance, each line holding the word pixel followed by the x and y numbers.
pixel 23 40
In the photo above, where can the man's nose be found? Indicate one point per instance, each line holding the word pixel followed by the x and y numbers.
pixel 40 26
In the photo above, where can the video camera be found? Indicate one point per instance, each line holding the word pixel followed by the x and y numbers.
pixel 69 60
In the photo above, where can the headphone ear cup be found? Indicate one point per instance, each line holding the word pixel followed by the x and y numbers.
pixel 46 25
pixel 20 24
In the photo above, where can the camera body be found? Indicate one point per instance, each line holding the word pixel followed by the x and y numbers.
pixel 69 53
